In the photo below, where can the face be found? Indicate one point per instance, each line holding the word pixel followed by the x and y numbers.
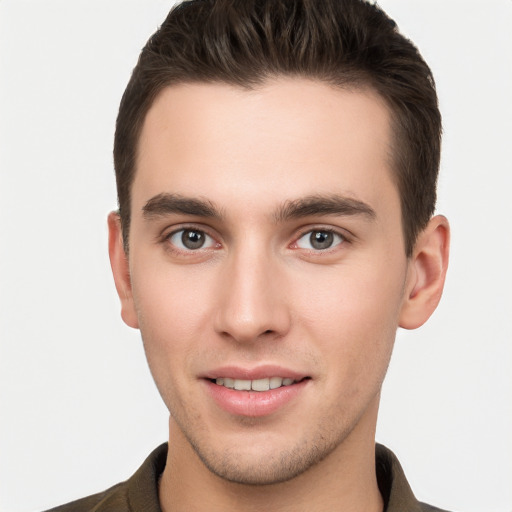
pixel 268 270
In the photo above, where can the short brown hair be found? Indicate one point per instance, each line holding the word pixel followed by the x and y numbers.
pixel 346 43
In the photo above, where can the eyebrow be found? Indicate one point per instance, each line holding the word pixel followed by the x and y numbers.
pixel 166 204
pixel 323 205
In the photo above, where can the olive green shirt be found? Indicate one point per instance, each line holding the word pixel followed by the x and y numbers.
pixel 140 492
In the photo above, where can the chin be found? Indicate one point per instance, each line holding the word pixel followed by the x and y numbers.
pixel 266 465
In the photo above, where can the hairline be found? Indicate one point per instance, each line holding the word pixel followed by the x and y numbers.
pixel 363 83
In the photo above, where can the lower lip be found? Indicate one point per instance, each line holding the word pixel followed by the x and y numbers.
pixel 254 403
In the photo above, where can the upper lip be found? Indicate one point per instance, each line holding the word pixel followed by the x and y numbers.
pixel 259 372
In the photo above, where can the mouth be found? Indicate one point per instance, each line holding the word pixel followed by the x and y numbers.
pixel 259 385
pixel 256 392
pixel 256 397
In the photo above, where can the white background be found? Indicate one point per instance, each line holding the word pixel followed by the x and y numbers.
pixel 79 411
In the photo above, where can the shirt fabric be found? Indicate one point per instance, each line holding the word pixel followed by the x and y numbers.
pixel 140 492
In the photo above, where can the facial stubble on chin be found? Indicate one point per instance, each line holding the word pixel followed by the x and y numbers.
pixel 268 470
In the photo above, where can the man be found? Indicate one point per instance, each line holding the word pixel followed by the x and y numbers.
pixel 276 165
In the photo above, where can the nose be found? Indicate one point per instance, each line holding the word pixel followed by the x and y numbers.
pixel 252 302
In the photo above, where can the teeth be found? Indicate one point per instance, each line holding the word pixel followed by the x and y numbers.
pixel 242 385
pixel 254 385
pixel 260 385
pixel 275 382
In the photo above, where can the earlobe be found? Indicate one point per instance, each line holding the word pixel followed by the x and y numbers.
pixel 427 273
pixel 121 270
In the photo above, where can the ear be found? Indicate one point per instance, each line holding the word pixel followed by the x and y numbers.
pixel 426 273
pixel 121 270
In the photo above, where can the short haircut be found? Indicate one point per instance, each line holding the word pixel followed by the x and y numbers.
pixel 350 44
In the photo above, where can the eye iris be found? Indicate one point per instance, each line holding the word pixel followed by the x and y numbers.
pixel 192 239
pixel 321 239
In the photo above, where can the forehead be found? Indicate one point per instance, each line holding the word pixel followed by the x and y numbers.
pixel 295 136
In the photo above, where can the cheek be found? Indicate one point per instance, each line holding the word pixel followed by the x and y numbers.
pixel 354 318
pixel 358 297
pixel 171 300
pixel 172 308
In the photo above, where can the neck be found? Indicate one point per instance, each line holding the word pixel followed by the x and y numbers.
pixel 344 480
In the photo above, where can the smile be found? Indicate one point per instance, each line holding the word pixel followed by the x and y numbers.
pixel 254 385
pixel 255 397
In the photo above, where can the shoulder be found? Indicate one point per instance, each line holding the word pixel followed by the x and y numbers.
pixel 112 499
pixel 393 485
pixel 139 492
pixel 424 507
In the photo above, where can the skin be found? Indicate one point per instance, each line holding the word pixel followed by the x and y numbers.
pixel 259 293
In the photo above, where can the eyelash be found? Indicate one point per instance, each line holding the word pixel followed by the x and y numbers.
pixel 343 239
pixel 173 247
pixel 166 239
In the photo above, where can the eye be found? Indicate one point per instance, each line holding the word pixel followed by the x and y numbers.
pixel 319 240
pixel 190 239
